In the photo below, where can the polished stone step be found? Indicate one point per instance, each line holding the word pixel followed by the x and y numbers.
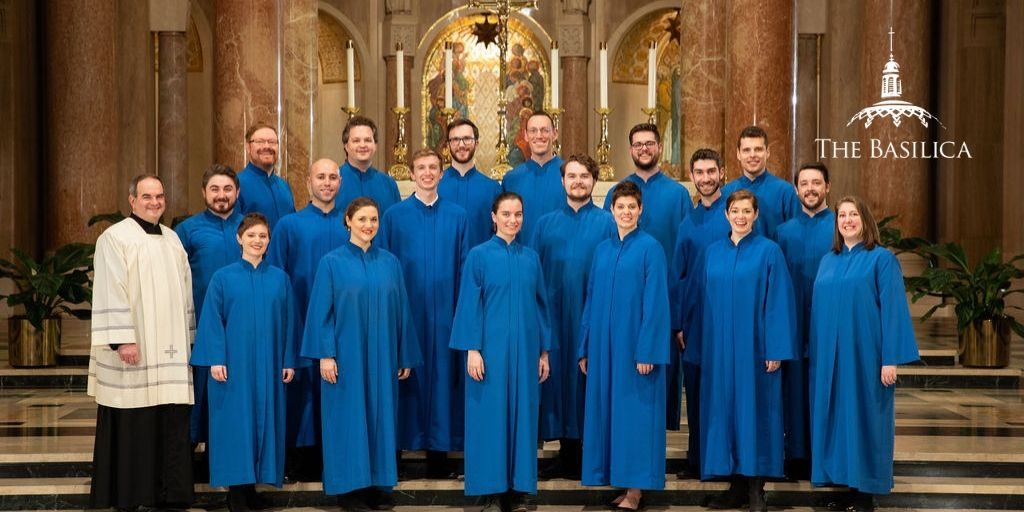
pixel 959 377
pixel 945 493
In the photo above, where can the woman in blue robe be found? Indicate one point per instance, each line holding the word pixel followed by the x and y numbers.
pixel 501 321
pixel 624 351
pixel 748 328
pixel 860 330
pixel 245 337
pixel 360 328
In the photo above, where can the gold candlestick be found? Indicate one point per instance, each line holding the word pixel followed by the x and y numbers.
pixel 400 169
pixel 446 151
pixel 652 115
pixel 556 122
pixel 351 111
pixel 605 170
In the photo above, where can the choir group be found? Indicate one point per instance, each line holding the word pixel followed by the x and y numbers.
pixel 482 317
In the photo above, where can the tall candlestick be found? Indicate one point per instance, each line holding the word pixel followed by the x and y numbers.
pixel 400 81
pixel 447 75
pixel 555 68
pixel 603 68
pixel 350 57
pixel 652 75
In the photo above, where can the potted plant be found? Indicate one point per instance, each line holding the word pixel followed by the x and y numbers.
pixel 45 290
pixel 979 292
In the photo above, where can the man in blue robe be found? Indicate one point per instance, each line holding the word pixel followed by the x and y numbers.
pixel 538 180
pixel 298 243
pixel 260 188
pixel 705 224
pixel 565 240
pixel 465 185
pixel 209 239
pixel 666 204
pixel 804 239
pixel 428 235
pixel 359 177
pixel 776 198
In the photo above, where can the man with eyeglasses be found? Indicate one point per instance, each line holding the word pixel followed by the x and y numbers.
pixel 538 180
pixel 666 204
pixel 359 178
pixel 466 186
pixel 260 189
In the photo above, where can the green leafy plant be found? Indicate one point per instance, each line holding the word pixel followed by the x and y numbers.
pixel 48 288
pixel 980 291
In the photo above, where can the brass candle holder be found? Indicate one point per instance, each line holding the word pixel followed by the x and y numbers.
pixel 652 115
pixel 446 151
pixel 605 170
pixel 400 169
pixel 351 111
pixel 556 122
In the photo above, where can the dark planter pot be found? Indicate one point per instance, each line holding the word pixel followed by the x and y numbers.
pixel 31 347
pixel 985 344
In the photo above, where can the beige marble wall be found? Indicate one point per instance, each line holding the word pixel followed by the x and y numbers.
pixel 173 122
pixel 247 42
pixel 703 75
pixel 136 115
pixel 759 44
pixel 81 177
pixel 200 105
pixel 300 88
pixel 890 186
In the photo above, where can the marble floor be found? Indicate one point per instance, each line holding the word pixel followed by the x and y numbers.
pixel 956 447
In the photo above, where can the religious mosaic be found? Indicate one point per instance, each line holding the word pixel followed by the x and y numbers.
pixel 476 91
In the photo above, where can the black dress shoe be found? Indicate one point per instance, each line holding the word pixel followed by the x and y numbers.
pixel 255 500
pixel 492 503
pixel 518 502
pixel 736 496
pixel 756 497
pixel 377 499
pixel 352 502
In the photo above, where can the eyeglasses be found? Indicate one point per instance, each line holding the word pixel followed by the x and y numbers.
pixel 535 131
pixel 640 145
pixel 465 141
pixel 264 142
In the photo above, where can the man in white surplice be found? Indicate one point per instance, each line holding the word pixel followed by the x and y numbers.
pixel 142 327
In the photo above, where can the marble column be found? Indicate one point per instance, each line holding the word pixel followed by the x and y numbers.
pixel 300 88
pixel 136 91
pixel 900 187
pixel 81 176
pixel 20 65
pixel 1013 140
pixel 760 78
pixel 575 115
pixel 172 123
pixel 247 44
pixel 703 66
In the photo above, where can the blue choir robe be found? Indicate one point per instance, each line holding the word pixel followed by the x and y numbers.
pixel 626 322
pixel 266 194
pixel 565 240
pixel 211 244
pixel 541 189
pixel 431 244
pixel 803 240
pixel 666 203
pixel 248 325
pixel 297 244
pixel 777 201
pixel 860 321
pixel 372 183
pixel 702 226
pixel 748 319
pixel 475 193
pixel 502 312
pixel 359 315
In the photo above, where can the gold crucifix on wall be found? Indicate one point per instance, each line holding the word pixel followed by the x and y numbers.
pixel 503 9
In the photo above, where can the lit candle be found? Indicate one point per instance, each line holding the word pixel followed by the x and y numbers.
pixel 448 75
pixel 400 71
pixel 603 68
pixel 652 75
pixel 555 68
pixel 350 57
